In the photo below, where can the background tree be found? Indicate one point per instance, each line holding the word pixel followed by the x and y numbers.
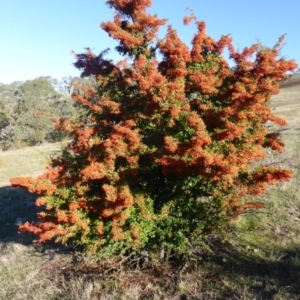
pixel 27 111
pixel 165 154
pixel 8 102
pixel 35 97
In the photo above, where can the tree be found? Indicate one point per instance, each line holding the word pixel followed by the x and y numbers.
pixel 34 101
pixel 165 154
pixel 28 110
pixel 8 103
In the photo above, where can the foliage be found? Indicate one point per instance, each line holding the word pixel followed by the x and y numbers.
pixel 165 154
pixel 8 102
pixel 27 110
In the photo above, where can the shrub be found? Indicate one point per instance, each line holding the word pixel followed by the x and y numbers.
pixel 164 155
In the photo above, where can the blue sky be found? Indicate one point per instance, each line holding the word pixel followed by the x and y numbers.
pixel 37 36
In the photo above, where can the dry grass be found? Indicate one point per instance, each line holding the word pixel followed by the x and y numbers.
pixel 28 161
pixel 260 260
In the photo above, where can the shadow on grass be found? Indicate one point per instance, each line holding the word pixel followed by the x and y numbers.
pixel 17 206
pixel 238 274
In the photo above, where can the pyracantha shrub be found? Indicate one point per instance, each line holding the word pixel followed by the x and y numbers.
pixel 165 152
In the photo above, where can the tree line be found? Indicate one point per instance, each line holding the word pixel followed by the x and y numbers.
pixel 28 110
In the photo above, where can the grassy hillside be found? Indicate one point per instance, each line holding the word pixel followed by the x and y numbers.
pixel 260 259
pixel 28 161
